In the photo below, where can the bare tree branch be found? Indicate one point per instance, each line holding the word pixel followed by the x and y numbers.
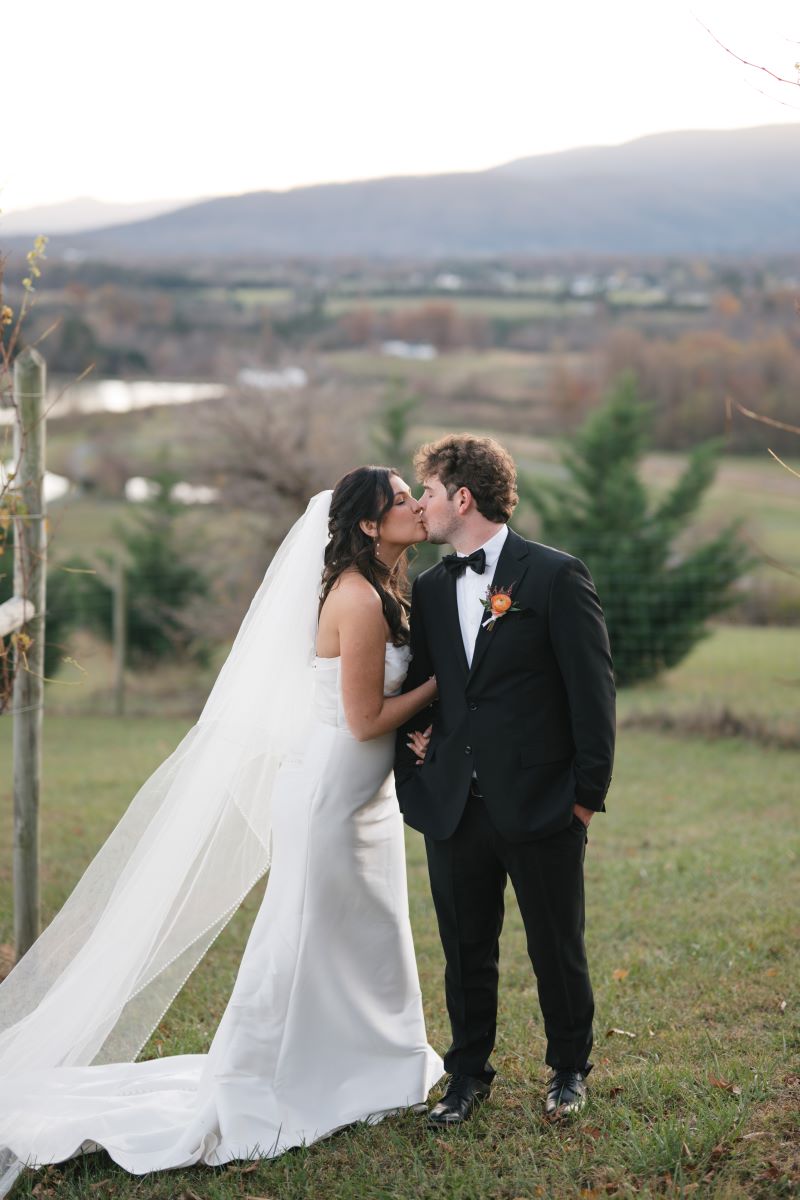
pixel 754 416
pixel 773 98
pixel 783 464
pixel 746 61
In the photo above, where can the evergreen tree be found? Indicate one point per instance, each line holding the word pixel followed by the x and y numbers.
pixel 390 438
pixel 161 583
pixel 657 583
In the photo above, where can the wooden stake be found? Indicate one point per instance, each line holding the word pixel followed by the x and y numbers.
pixel 29 583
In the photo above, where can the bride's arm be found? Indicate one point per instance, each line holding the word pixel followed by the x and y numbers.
pixel 362 642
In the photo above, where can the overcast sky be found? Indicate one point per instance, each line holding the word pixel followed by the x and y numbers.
pixel 186 98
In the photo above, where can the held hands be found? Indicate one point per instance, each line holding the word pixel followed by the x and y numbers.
pixel 418 743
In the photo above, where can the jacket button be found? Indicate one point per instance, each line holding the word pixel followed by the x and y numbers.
pixel 468 750
pixel 472 707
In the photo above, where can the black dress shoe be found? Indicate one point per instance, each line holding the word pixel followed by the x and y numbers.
pixel 566 1093
pixel 463 1093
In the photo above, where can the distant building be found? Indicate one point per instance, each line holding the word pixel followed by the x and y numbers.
pixel 447 282
pixel 421 351
pixel 287 379
pixel 585 285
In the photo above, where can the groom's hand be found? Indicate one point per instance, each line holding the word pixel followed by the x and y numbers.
pixel 585 814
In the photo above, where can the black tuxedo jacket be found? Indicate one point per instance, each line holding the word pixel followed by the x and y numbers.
pixel 534 714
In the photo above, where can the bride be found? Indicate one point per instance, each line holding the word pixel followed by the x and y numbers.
pixel 288 767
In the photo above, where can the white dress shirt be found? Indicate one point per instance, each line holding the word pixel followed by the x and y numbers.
pixel 471 589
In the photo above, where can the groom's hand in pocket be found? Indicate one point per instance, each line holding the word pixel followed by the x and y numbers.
pixel 584 814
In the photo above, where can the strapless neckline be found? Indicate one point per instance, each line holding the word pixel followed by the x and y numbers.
pixel 329 703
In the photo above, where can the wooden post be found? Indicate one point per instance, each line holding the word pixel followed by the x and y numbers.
pixel 120 630
pixel 29 582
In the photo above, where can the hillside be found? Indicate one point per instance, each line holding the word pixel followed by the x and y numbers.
pixel 732 192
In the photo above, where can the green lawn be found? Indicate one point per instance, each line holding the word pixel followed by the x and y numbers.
pixel 749 673
pixel 692 931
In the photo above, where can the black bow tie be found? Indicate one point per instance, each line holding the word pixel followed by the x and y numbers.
pixel 457 564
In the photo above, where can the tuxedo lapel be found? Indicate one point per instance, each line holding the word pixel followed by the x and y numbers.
pixel 511 566
pixel 449 603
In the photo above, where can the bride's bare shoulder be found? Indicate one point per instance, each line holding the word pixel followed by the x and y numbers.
pixel 352 607
pixel 353 591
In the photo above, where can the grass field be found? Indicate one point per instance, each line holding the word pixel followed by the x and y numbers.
pixel 692 933
pixel 522 308
pixel 249 297
pixel 505 374
pixel 752 675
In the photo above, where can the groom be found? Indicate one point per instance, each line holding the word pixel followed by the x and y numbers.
pixel 519 760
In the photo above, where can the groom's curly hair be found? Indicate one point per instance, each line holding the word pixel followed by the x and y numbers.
pixel 478 463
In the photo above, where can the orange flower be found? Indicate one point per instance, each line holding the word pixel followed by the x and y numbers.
pixel 496 604
pixel 501 603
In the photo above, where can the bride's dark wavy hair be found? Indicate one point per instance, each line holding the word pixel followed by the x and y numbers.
pixel 366 494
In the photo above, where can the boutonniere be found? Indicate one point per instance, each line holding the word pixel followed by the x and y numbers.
pixel 496 603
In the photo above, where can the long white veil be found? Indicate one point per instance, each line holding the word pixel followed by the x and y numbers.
pixel 192 844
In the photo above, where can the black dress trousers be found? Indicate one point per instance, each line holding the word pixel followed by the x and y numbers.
pixel 468 873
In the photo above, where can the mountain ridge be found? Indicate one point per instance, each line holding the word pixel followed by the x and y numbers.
pixel 695 191
pixel 83 213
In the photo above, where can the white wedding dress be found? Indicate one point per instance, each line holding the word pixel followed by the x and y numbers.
pixel 324 1026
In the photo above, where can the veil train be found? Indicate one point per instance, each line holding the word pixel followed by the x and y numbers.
pixel 191 845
